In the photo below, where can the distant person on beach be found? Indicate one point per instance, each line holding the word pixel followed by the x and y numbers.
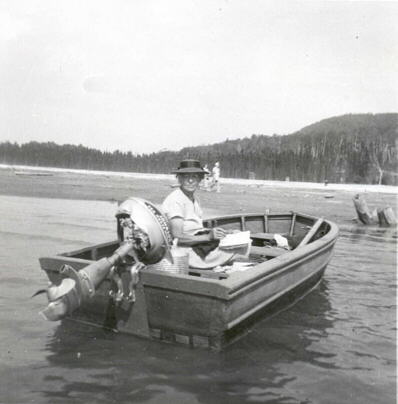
pixel 206 179
pixel 182 209
pixel 216 176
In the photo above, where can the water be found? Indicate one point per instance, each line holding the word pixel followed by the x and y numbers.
pixel 337 345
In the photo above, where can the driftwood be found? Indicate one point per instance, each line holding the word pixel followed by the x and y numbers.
pixel 386 217
pixel 382 216
pixel 363 211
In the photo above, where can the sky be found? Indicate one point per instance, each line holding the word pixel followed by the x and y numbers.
pixel 144 75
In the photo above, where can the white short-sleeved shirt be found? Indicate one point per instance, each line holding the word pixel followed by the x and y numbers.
pixel 177 204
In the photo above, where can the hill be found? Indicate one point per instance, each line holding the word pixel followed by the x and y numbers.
pixel 355 148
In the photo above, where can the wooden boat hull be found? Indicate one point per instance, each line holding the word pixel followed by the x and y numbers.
pixel 199 310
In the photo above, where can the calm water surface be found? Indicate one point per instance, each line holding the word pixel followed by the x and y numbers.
pixel 335 346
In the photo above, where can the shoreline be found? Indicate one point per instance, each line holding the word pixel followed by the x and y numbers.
pixel 334 202
pixel 355 188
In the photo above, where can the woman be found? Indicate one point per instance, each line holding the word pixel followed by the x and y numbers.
pixel 206 179
pixel 216 176
pixel 184 213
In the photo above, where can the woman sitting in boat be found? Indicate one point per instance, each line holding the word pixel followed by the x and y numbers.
pixel 184 213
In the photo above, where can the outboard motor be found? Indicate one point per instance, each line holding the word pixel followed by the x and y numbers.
pixel 141 222
pixel 144 237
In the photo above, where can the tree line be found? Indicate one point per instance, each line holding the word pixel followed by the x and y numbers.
pixel 355 148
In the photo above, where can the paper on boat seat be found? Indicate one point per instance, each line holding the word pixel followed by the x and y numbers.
pixel 234 240
pixel 237 266
pixel 240 267
pixel 281 241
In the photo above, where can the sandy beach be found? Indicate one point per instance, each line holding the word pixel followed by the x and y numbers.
pixel 358 188
pixel 333 201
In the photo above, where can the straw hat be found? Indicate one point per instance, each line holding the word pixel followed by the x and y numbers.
pixel 190 166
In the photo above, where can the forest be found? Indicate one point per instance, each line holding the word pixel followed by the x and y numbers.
pixel 353 148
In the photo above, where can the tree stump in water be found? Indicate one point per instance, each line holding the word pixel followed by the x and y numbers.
pixel 362 209
pixel 386 217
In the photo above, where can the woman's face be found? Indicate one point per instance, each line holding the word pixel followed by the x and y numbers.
pixel 189 182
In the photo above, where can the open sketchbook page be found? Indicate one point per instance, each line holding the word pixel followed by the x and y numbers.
pixel 235 240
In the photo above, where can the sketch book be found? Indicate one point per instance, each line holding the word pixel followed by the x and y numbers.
pixel 235 240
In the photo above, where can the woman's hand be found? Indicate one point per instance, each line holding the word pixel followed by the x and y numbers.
pixel 189 240
pixel 217 233
pixel 139 266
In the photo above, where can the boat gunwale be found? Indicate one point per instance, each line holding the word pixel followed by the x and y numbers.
pixel 268 269
pixel 278 215
pixel 240 286
pixel 272 298
pixel 236 283
pixel 274 215
pixel 280 264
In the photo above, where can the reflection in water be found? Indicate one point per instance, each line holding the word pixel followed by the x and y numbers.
pixel 246 370
pixel 378 234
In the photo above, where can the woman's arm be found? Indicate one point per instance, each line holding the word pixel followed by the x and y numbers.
pixel 188 240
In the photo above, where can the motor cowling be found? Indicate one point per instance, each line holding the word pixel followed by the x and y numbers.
pixel 144 236
pixel 145 225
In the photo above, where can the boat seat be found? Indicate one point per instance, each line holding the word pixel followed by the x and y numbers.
pixel 207 273
pixel 271 252
pixel 262 236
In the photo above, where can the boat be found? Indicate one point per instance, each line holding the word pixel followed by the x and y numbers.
pixel 201 308
pixel 33 174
